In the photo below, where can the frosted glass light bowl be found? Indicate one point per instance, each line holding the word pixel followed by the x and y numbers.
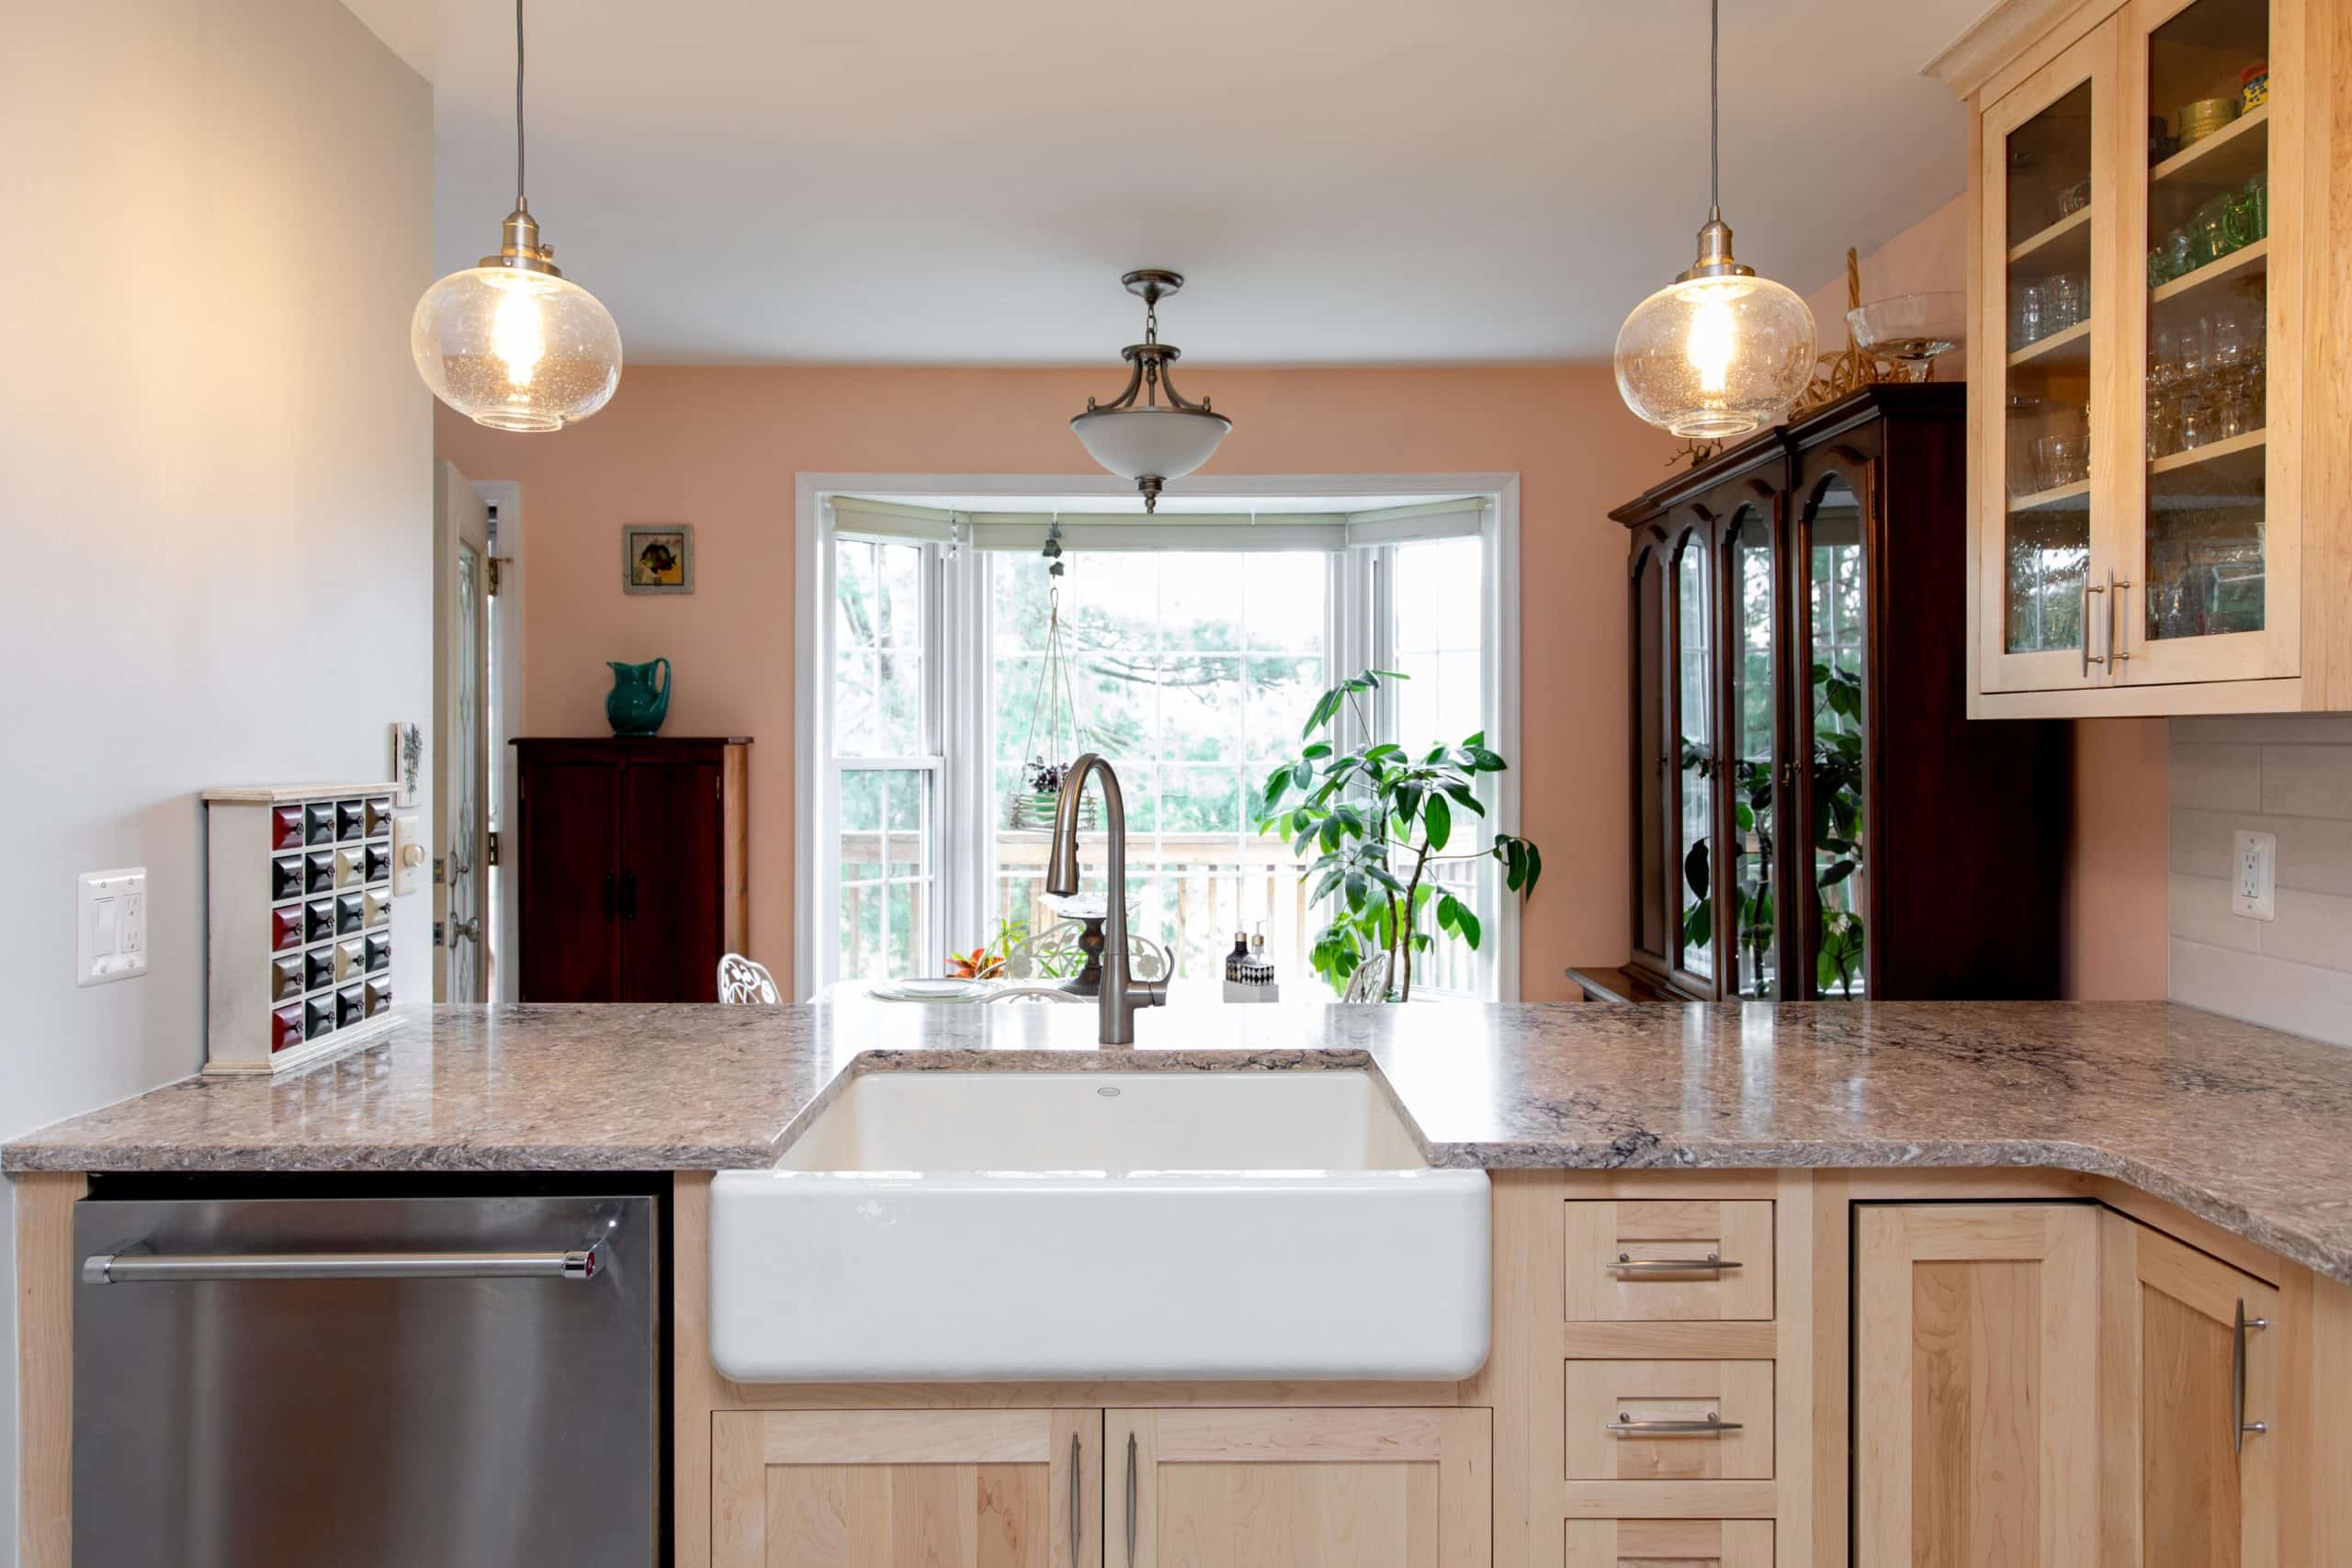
pixel 514 349
pixel 1163 442
pixel 1714 359
pixel 1912 328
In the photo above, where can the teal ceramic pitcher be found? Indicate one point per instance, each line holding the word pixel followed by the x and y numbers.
pixel 635 706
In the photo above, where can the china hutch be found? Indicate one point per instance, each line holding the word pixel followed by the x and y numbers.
pixel 1800 701
pixel 2161 201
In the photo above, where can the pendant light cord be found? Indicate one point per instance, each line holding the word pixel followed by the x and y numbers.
pixel 522 204
pixel 1714 108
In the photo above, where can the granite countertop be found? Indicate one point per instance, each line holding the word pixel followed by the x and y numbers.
pixel 2241 1125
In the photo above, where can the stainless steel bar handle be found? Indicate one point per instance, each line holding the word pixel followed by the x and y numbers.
pixel 2089 658
pixel 2116 590
pixel 1713 1427
pixel 2239 1424
pixel 1711 1264
pixel 1131 1500
pixel 139 1268
pixel 1077 1509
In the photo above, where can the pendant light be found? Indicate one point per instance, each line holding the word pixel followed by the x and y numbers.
pixel 1150 443
pixel 510 342
pixel 1719 352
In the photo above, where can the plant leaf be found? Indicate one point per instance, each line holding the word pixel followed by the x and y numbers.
pixel 1438 818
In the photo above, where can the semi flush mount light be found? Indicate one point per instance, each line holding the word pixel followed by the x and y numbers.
pixel 1719 352
pixel 509 341
pixel 1149 442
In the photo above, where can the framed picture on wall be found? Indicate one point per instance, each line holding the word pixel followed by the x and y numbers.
pixel 657 557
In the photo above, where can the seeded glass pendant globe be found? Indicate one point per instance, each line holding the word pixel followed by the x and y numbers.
pixel 516 348
pixel 1709 358
pixel 509 341
pixel 1719 352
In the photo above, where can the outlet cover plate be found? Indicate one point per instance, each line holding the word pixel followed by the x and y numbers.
pixel 2254 875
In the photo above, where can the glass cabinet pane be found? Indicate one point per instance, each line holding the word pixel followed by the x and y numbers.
pixel 2047 433
pixel 1650 755
pixel 2208 276
pixel 1750 780
pixel 1694 714
pixel 1838 604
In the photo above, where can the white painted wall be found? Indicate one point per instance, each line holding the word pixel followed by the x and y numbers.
pixel 215 490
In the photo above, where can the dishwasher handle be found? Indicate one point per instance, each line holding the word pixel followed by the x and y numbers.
pixel 143 1268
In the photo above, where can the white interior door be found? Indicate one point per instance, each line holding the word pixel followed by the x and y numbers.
pixel 461 713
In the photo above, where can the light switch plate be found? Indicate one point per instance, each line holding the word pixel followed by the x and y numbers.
pixel 110 926
pixel 2254 875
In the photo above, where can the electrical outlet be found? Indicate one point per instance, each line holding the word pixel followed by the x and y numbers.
pixel 110 926
pixel 2254 873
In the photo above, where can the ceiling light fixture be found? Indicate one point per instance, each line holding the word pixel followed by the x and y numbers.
pixel 1150 443
pixel 509 341
pixel 1719 352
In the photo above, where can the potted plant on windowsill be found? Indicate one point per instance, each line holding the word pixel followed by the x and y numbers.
pixel 1380 820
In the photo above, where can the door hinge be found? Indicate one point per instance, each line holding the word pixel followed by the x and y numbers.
pixel 440 935
pixel 498 564
pixel 489 857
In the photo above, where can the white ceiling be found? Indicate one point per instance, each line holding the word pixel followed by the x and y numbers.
pixel 963 181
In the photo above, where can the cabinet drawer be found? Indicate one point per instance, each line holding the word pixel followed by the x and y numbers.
pixel 1670 1543
pixel 1619 1258
pixel 1668 1421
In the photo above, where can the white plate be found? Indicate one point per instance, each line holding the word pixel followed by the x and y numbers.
pixel 926 990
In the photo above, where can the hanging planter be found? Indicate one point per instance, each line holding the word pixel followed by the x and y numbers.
pixel 1053 721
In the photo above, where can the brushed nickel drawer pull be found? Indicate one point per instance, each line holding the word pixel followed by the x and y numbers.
pixel 2239 1424
pixel 1711 1264
pixel 1713 1427
pixel 1076 1504
pixel 140 1268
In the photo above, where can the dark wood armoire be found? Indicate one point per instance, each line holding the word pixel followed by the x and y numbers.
pixel 1813 814
pixel 630 873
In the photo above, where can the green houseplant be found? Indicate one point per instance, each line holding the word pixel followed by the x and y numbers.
pixel 1379 819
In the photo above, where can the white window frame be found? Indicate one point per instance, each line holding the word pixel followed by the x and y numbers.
pixel 958 640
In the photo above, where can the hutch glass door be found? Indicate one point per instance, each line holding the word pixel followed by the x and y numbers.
pixel 1835 706
pixel 1748 774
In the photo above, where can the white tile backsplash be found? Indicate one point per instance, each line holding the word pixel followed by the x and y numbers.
pixel 2289 775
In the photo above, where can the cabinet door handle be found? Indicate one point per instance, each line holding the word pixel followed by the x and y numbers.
pixel 628 896
pixel 1711 1264
pixel 1131 1500
pixel 2239 1424
pixel 2089 658
pixel 1713 1427
pixel 1077 1509
pixel 612 904
pixel 2115 627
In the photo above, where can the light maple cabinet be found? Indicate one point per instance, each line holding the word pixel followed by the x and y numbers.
pixel 1976 1397
pixel 2160 197
pixel 941 1488
pixel 2189 1406
pixel 2045 1384
pixel 1299 1488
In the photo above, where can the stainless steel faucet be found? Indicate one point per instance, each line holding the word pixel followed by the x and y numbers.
pixel 1121 993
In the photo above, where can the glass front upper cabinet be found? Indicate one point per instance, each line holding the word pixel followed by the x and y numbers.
pixel 2193 595
pixel 1836 613
pixel 1694 717
pixel 2047 168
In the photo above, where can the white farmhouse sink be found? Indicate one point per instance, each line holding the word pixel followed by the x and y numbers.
pixel 961 1226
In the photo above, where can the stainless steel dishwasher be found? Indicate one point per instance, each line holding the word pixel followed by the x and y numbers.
pixel 367 1381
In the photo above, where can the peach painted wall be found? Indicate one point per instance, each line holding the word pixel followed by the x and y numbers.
pixel 720 447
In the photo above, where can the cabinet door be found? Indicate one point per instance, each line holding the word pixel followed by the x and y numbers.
pixel 1751 775
pixel 1828 916
pixel 2042 372
pixel 879 1488
pixel 671 879
pixel 1653 880
pixel 1977 1386
pixel 569 850
pixel 1694 745
pixel 2206 583
pixel 1299 1488
pixel 2185 1369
